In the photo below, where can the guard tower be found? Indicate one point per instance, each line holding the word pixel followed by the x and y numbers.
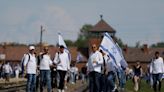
pixel 96 33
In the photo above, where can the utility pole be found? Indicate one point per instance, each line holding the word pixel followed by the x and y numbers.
pixel 41 37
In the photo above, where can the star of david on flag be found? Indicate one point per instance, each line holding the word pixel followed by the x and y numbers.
pixel 110 48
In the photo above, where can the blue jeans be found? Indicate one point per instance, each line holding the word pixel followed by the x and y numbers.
pixel 94 81
pixel 122 78
pixel 31 82
pixel 83 77
pixel 72 79
pixel 45 79
pixel 110 81
pixel 157 78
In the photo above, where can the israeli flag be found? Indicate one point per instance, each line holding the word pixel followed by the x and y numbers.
pixel 61 42
pixel 109 46
pixel 79 57
pixel 123 62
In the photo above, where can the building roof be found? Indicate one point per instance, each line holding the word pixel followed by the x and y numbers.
pixel 102 26
pixel 15 53
pixel 134 54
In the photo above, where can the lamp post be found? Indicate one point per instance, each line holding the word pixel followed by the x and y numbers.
pixel 41 36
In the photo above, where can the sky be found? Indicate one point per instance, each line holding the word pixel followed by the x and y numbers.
pixel 134 20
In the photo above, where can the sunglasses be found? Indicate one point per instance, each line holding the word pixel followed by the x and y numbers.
pixel 93 47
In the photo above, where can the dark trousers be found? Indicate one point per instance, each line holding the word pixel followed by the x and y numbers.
pixel 53 79
pixel 62 76
pixel 157 78
pixel 94 81
pixel 103 83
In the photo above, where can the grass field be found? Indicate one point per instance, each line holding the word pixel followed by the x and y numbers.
pixel 144 87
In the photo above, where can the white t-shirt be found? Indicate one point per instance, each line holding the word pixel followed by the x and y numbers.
pixel 30 63
pixel 63 58
pixel 96 56
pixel 74 70
pixel 157 66
pixel 45 62
pixel 7 68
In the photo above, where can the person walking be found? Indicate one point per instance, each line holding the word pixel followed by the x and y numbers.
pixel 73 73
pixel 157 70
pixel 17 71
pixel 7 70
pixel 137 75
pixel 110 72
pixel 103 83
pixel 84 74
pixel 63 65
pixel 94 69
pixel 45 72
pixel 30 66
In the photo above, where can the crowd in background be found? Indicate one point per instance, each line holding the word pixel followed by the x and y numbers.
pixel 101 74
pixel 8 70
pixel 107 75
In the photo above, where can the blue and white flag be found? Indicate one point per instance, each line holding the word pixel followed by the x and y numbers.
pixel 123 62
pixel 79 57
pixel 61 42
pixel 109 46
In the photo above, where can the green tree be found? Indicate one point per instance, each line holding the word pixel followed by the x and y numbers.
pixel 120 43
pixel 158 45
pixel 118 40
pixel 69 43
pixel 83 36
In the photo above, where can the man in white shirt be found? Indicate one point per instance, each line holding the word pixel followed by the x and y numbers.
pixel 73 73
pixel 45 72
pixel 63 65
pixel 157 70
pixel 30 68
pixel 8 70
pixel 94 69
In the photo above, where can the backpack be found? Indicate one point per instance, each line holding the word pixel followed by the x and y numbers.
pixel 22 62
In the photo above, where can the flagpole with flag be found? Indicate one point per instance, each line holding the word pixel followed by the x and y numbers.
pixel 109 46
pixel 114 51
pixel 61 42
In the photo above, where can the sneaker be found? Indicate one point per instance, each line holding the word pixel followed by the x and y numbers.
pixel 72 82
pixel 65 87
pixel 59 90
pixel 63 90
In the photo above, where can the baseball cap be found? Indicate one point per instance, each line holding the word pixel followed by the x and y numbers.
pixel 31 48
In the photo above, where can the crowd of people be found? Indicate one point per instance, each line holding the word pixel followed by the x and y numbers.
pixel 101 72
pixel 8 70
pixel 42 72
pixel 105 75
pixel 51 73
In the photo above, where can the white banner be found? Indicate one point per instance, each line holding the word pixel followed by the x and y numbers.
pixel 61 42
